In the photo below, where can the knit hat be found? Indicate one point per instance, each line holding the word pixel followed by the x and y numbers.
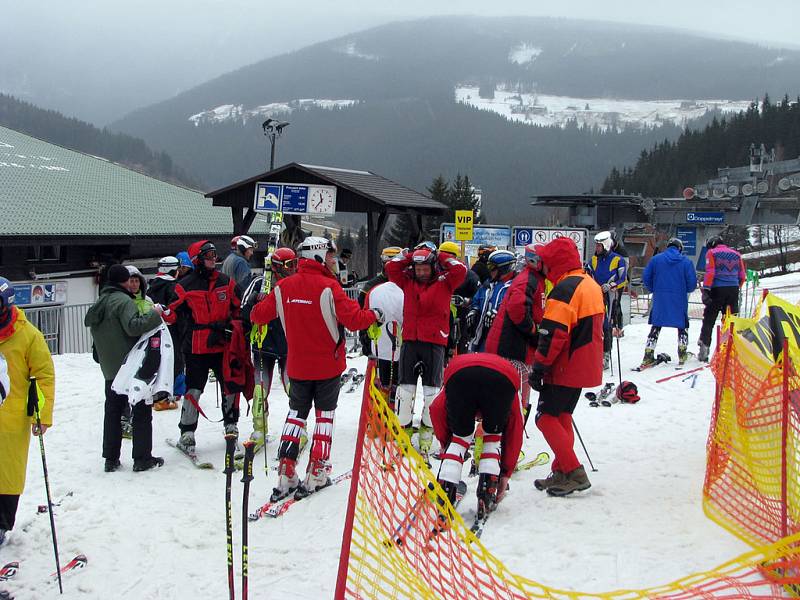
pixel 118 274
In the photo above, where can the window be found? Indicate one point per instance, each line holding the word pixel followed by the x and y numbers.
pixel 46 253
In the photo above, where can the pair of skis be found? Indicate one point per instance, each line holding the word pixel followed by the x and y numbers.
pixel 353 377
pixel 9 571
pixel 601 398
pixel 280 507
pixel 247 477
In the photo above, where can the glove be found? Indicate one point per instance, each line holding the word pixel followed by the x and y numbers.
pixel 158 309
pixel 488 318
pixel 219 335
pixel 470 322
pixel 380 318
pixel 605 287
pixel 502 487
pixel 705 294
pixel 536 379
pixel 374 331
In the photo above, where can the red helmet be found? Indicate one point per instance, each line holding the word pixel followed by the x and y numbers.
pixel 234 241
pixel 197 249
pixel 627 392
pixel 284 262
pixel 423 256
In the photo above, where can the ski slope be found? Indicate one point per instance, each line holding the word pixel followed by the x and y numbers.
pixel 161 534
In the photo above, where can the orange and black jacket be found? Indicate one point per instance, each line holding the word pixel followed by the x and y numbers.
pixel 570 348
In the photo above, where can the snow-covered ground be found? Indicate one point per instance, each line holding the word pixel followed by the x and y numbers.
pixel 546 110
pixel 161 534
pixel 238 112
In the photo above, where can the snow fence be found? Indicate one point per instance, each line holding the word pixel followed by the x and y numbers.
pixel 389 549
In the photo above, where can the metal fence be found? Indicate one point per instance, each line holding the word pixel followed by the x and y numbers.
pixel 62 327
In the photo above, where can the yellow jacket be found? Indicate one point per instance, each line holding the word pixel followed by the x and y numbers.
pixel 27 355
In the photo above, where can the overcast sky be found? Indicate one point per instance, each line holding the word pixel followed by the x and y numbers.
pixel 170 45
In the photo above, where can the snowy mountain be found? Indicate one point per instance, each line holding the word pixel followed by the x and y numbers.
pixel 415 99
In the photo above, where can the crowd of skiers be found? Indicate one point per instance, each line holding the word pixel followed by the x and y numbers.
pixel 478 339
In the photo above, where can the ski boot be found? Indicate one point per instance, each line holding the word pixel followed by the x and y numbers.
pixel 702 354
pixel 449 489
pixel 649 359
pixel 316 479
pixel 233 429
pixel 186 443
pixel 288 481
pixel 487 493
pixel 683 355
pixel 425 441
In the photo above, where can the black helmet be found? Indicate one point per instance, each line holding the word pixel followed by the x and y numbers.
pixel 713 241
pixel 675 243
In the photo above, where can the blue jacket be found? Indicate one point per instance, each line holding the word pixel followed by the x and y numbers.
pixel 671 277
pixel 487 300
pixel 611 269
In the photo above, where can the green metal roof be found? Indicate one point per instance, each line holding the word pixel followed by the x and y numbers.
pixel 49 190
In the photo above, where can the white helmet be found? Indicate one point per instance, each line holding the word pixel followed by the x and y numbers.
pixel 605 240
pixel 315 248
pixel 167 265
pixel 245 242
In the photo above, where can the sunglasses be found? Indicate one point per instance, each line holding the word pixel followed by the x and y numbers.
pixel 209 254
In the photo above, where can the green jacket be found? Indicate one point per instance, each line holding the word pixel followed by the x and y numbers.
pixel 116 326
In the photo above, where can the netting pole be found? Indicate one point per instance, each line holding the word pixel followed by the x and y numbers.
pixel 784 436
pixel 347 534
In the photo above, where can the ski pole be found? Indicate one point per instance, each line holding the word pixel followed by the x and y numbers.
pixel 247 477
pixel 619 363
pixel 33 409
pixel 230 448
pixel 585 451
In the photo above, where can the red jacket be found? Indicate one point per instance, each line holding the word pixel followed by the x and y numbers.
pixel 204 299
pixel 514 332
pixel 570 347
pixel 313 308
pixel 512 433
pixel 426 306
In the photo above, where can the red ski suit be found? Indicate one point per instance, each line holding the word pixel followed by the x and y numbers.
pixel 512 434
pixel 426 307
pixel 313 308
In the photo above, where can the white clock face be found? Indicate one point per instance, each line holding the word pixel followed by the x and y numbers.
pixel 321 200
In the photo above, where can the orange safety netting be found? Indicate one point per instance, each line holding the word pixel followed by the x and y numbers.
pixel 390 550
pixel 752 486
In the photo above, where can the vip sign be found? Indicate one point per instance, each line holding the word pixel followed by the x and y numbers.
pixel 464 219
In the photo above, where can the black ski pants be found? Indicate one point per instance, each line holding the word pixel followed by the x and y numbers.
pixel 474 390
pixel 721 299
pixel 142 415
pixel 8 511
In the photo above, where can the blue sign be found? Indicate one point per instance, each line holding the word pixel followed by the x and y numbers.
pixel 268 197
pixel 295 199
pixel 523 236
pixel 705 217
pixel 688 235
pixel 490 235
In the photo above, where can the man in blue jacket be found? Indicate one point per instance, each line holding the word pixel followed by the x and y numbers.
pixel 671 277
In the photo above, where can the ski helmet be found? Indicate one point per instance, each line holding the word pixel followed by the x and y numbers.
pixel 450 248
pixel 501 262
pixel 185 261
pixel 423 256
pixel 675 243
pixel 604 239
pixel 202 249
pixel 389 253
pixel 627 392
pixel 532 257
pixel 245 242
pixel 6 294
pixel 484 250
pixel 713 241
pixel 234 242
pixel 168 265
pixel 315 248
pixel 426 245
pixel 284 262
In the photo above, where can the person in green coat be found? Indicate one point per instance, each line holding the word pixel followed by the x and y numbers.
pixel 116 325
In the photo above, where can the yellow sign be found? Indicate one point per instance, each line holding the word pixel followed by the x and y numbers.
pixel 464 220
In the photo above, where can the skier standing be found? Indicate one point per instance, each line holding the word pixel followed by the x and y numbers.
pixel 725 275
pixel 486 387
pixel 459 306
pixel 207 302
pixel 567 359
pixel 267 342
pixel 486 302
pixel 608 270
pixel 237 264
pixel 23 354
pixel 313 309
pixel 671 277
pixel 426 328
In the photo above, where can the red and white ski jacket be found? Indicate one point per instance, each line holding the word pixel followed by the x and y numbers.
pixel 313 309
pixel 426 306
pixel 512 433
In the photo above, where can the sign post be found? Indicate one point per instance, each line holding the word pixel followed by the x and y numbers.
pixel 464 231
